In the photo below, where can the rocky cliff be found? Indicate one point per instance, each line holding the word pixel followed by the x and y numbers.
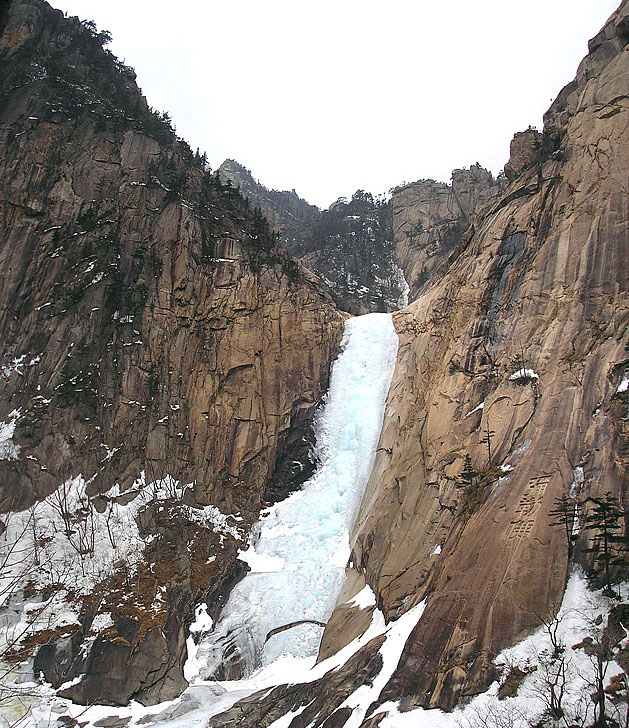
pixel 540 289
pixel 515 357
pixel 161 356
pixel 350 246
pixel 430 218
pixel 287 213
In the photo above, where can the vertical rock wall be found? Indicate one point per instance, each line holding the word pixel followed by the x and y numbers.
pixel 149 327
pixel 541 284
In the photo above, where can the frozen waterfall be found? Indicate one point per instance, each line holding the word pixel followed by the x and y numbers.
pixel 300 547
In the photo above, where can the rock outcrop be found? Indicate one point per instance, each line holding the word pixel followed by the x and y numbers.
pixel 430 218
pixel 515 359
pixel 151 332
pixel 287 213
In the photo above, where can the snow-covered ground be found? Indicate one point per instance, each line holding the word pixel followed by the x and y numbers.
pixel 299 549
pixel 576 620
pixel 63 546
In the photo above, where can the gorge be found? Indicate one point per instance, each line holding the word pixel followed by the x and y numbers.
pixel 176 487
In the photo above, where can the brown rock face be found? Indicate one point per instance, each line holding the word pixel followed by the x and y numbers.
pixel 526 150
pixel 430 218
pixel 542 284
pixel 149 323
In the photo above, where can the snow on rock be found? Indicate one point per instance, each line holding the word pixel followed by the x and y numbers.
pixel 624 383
pixel 523 374
pixel 476 409
pixel 364 599
pixel 396 635
pixel 64 546
pixel 16 365
pixel 101 622
pixel 299 549
pixel 576 620
pixel 400 280
pixel 575 486
pixel 8 449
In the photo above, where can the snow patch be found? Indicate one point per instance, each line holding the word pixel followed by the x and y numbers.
pixel 8 449
pixel 476 409
pixel 364 599
pixel 101 622
pixel 16 365
pixel 396 635
pixel 523 374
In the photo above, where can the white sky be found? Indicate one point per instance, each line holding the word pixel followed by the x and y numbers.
pixel 330 96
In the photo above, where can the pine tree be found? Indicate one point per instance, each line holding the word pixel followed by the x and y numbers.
pixel 468 474
pixel 606 520
pixel 565 513
pixel 487 440
pixel 469 480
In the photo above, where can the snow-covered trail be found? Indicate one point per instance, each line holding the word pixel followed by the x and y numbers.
pixel 300 547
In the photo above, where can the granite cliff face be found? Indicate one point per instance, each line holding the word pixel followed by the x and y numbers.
pixel 522 342
pixel 162 357
pixel 430 218
pixel 152 335
pixel 542 284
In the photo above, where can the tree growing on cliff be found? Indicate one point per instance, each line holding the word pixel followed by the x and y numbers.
pixel 606 519
pixel 468 475
pixel 564 514
pixel 471 483
pixel 486 440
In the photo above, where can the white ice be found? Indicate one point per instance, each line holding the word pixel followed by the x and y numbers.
pixel 299 549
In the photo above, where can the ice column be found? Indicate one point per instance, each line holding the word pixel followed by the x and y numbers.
pixel 300 547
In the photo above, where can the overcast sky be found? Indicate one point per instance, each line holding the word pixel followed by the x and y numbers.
pixel 330 96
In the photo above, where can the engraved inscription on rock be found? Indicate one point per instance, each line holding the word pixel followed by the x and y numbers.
pixel 527 507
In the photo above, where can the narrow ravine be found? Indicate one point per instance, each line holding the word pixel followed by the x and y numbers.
pixel 300 547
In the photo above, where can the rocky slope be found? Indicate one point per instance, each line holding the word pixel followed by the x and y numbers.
pixel 522 342
pixel 350 246
pixel 373 254
pixel 157 348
